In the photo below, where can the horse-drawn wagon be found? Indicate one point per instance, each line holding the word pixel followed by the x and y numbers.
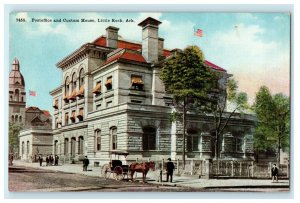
pixel 115 167
pixel 119 171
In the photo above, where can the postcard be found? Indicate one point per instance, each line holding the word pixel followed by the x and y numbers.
pixel 149 102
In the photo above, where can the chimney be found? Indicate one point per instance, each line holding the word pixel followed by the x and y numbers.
pixel 150 39
pixel 112 37
pixel 160 48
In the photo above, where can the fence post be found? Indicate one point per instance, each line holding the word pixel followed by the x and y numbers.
pixel 287 170
pixel 192 166
pixel 240 168
pixel 232 171
pixel 252 170
pixel 269 169
pixel 177 166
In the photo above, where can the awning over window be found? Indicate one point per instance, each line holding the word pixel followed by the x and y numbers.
pixel 55 104
pixel 73 95
pixel 80 114
pixel 97 89
pixel 66 116
pixel 108 81
pixel 66 98
pixel 73 115
pixel 137 80
pixel 80 93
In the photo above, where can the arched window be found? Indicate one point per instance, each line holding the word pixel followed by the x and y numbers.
pixel 66 146
pixel 67 87
pixel 149 138
pixel 114 138
pixel 20 119
pixel 28 148
pixel 192 140
pixel 22 99
pixel 80 145
pixel 17 94
pixel 10 98
pixel 12 119
pixel 73 144
pixel 23 148
pixel 81 77
pixel 16 118
pixel 55 147
pixel 74 79
pixel 97 140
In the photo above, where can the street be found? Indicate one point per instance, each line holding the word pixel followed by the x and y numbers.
pixel 29 179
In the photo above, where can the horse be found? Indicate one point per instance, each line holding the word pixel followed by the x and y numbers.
pixel 141 168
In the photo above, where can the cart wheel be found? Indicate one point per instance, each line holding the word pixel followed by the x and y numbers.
pixel 105 171
pixel 118 173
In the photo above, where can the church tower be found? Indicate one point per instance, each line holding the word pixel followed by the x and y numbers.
pixel 17 94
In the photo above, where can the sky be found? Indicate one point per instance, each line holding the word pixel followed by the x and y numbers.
pixel 254 47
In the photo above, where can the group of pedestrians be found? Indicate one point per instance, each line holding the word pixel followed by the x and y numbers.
pixel 50 160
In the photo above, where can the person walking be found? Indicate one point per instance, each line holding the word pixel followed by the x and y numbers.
pixel 274 172
pixel 170 169
pixel 86 162
pixel 56 160
pixel 47 160
pixel 41 160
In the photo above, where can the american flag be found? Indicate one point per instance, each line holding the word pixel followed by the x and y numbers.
pixel 198 32
pixel 32 93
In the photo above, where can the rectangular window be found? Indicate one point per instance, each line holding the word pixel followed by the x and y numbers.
pixel 66 118
pixel 108 83
pixel 137 82
pixel 98 107
pixel 136 101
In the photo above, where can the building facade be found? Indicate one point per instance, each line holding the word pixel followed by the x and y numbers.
pixel 36 134
pixel 17 95
pixel 112 99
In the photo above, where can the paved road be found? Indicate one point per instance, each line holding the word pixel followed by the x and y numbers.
pixel 181 183
pixel 29 179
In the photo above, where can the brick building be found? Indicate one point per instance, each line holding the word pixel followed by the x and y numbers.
pixel 111 98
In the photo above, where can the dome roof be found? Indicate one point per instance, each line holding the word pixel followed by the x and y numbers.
pixel 15 76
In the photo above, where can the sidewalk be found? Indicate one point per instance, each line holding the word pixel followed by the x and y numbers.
pixel 152 178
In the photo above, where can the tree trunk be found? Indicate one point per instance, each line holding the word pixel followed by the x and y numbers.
pixel 278 152
pixel 184 125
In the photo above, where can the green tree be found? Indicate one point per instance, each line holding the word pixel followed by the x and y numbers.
pixel 273 113
pixel 188 79
pixel 13 132
pixel 218 106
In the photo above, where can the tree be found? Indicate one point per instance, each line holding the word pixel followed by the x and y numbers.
pixel 14 130
pixel 218 106
pixel 188 79
pixel 273 114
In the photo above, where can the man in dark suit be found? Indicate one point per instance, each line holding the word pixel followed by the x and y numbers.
pixel 170 169
pixel 274 172
pixel 86 162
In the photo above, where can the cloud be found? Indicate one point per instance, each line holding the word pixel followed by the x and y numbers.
pixel 253 59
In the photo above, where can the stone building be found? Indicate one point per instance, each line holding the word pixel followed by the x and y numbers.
pixel 111 98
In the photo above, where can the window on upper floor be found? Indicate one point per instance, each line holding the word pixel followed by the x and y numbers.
pixel 17 94
pixel 67 89
pixel 81 77
pixel 97 88
pixel 108 83
pixel 80 114
pixel 73 116
pixel 137 82
pixel 66 118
